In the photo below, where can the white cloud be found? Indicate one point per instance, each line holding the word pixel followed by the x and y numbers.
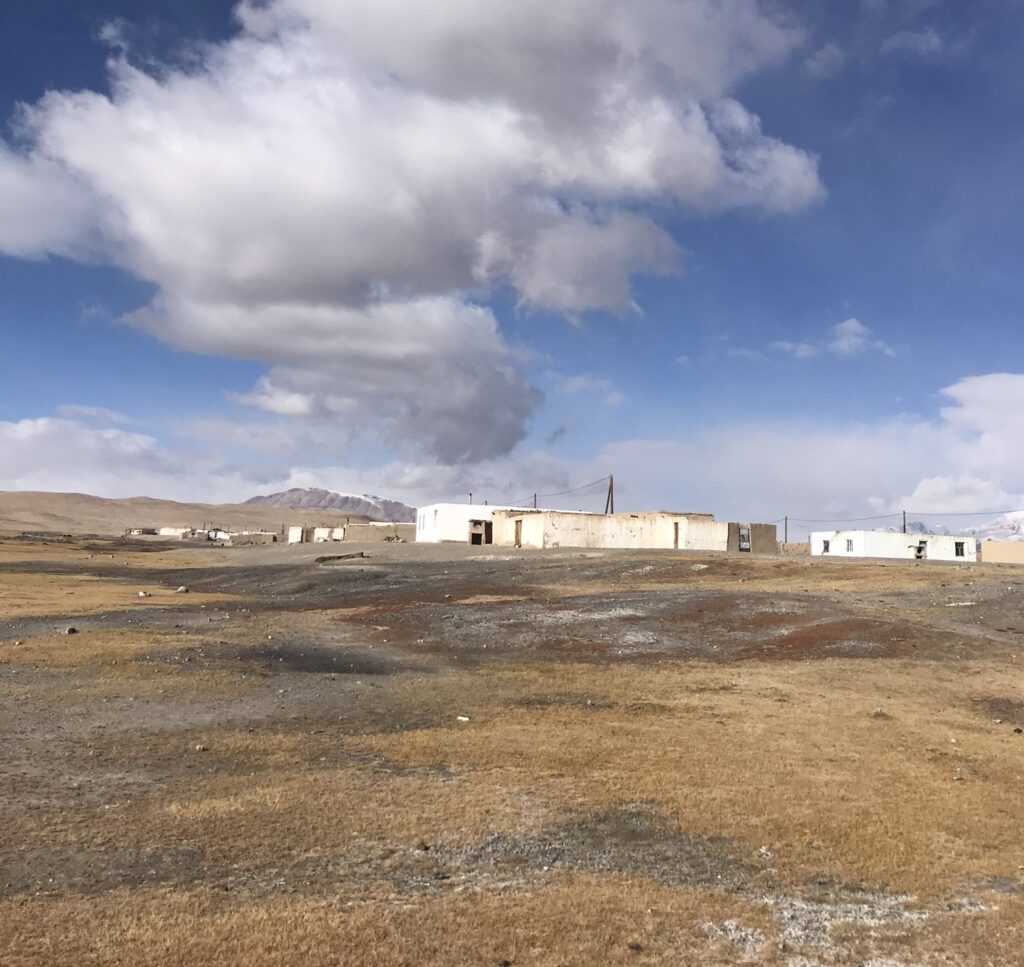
pixel 826 61
pixel 925 43
pixel 332 191
pixel 966 459
pixel 798 350
pixel 583 383
pixel 852 338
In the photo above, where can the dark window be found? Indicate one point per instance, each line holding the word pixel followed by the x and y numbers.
pixel 959 548
pixel 825 546
pixel 849 546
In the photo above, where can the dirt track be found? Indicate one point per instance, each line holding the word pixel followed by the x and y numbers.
pixel 431 755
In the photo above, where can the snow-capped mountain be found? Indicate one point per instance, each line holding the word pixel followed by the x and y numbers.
pixel 1008 527
pixel 364 505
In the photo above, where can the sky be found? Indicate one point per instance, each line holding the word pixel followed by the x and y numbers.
pixel 753 258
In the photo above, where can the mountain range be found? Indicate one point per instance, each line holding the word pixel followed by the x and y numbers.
pixel 315 498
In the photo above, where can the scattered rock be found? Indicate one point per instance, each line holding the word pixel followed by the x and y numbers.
pixel 182 590
pixel 201 748
pixel 462 718
pixel 635 946
pixel 699 567
pixel 144 594
pixel 71 631
pixel 1018 730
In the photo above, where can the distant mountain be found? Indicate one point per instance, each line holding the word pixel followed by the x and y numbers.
pixel 1008 527
pixel 314 498
pixel 919 527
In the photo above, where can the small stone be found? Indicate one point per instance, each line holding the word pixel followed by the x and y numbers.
pixel 17 643
pixel 201 748
pixel 182 590
pixel 1018 730
pixel 71 631
pixel 635 947
pixel 462 718
pixel 144 594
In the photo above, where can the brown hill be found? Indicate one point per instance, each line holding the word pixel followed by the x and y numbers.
pixel 23 511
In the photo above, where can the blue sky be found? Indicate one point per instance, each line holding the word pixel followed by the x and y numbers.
pixel 160 271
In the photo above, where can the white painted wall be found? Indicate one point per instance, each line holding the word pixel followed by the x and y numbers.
pixel 938 547
pixel 440 523
pixel 295 535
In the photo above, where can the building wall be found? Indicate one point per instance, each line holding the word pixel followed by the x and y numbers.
pixel 257 537
pixel 884 544
pixel 763 538
pixel 441 523
pixel 1002 552
pixel 378 533
pixel 540 529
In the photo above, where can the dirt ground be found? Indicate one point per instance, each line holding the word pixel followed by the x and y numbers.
pixel 453 755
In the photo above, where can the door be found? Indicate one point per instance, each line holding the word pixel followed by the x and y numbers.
pixel 519 533
pixel 675 536
pixel 488 532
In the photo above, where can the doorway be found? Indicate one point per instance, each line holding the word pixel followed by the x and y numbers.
pixel 519 533
pixel 921 551
pixel 675 536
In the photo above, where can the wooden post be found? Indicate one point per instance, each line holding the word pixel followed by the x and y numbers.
pixel 609 504
pixel 785 538
pixel 904 522
pixel 534 501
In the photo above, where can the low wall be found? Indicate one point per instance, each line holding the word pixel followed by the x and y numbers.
pixel 1002 552
pixel 378 533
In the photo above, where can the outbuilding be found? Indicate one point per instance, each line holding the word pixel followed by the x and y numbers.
pixel 457 523
pixel 886 544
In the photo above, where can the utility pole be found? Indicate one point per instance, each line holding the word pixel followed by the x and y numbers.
pixel 785 533
pixel 904 522
pixel 609 504
pixel 534 501
pixel 471 497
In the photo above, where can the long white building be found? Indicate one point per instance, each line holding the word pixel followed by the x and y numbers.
pixel 910 547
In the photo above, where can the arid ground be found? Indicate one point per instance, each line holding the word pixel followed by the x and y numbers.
pixel 442 756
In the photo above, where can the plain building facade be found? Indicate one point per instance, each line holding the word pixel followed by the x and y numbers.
pixel 885 544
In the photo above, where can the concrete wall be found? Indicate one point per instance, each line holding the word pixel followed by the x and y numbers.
pixel 883 544
pixel 763 538
pixel 441 523
pixel 1002 552
pixel 540 529
pixel 262 537
pixel 378 533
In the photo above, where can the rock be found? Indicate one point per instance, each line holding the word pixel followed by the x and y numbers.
pixel 201 748
pixel 144 594
pixel 462 718
pixel 1018 730
pixel 635 947
pixel 71 631
pixel 699 567
pixel 182 590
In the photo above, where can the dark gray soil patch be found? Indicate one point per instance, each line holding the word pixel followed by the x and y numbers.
pixel 631 839
pixel 284 657
pixel 1000 707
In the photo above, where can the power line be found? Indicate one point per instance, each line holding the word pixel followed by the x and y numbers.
pixel 563 493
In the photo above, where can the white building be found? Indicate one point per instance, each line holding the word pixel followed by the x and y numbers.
pixel 910 547
pixel 456 523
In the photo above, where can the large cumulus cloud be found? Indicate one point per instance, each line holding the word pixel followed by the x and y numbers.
pixel 335 190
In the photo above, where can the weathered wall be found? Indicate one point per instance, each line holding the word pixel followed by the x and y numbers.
pixel 638 531
pixel 243 540
pixel 378 533
pixel 1002 552
pixel 764 539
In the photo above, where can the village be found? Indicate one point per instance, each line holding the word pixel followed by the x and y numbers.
pixel 539 528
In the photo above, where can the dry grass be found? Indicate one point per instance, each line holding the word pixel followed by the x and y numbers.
pixel 303 837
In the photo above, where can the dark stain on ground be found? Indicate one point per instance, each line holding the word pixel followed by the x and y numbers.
pixel 630 839
pixel 1000 707
pixel 275 658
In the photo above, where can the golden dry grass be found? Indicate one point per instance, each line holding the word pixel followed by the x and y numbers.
pixel 891 774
